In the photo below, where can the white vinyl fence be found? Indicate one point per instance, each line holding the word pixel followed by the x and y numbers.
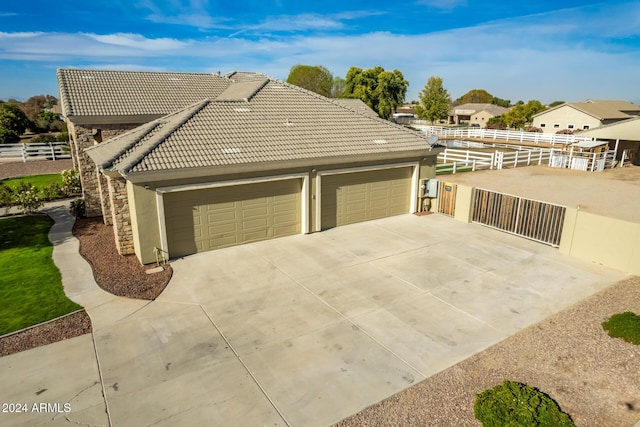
pixel 502 135
pixel 35 151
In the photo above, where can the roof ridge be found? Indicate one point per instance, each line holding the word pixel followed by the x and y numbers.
pixel 180 117
pixel 248 89
pixel 106 70
pixel 143 130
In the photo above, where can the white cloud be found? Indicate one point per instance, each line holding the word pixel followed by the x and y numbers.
pixel 305 22
pixel 139 42
pixel 444 5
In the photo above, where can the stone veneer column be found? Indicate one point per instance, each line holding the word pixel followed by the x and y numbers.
pixel 105 199
pixel 120 215
pixel 83 138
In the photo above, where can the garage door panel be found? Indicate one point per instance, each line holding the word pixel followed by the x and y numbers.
pixel 360 196
pixel 201 220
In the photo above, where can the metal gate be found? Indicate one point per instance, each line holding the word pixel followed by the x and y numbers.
pixel 447 198
pixel 539 221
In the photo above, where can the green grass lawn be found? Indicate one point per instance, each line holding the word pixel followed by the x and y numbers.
pixel 39 181
pixel 30 283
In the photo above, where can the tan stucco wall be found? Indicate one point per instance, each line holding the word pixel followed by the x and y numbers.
pixel 464 203
pixel 564 116
pixel 144 222
pixel 481 118
pixel 608 241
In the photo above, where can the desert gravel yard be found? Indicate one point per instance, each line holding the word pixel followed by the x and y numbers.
pixel 593 377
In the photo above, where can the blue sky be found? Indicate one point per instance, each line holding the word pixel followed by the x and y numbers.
pixel 546 50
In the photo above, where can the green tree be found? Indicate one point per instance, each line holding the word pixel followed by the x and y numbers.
pixel 383 91
pixel 434 100
pixel 13 122
pixel 337 87
pixel 38 104
pixel 522 114
pixel 476 96
pixel 506 103
pixel 315 78
pixel 555 104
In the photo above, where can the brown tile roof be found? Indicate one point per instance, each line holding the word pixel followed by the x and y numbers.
pixel 473 108
pixel 604 110
pixel 278 123
pixel 126 95
pixel 601 109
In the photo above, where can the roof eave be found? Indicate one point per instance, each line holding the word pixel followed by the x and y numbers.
pixel 212 171
pixel 113 120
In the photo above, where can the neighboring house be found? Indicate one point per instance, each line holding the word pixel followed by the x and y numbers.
pixel 474 114
pixel 196 162
pixel 577 116
pixel 624 134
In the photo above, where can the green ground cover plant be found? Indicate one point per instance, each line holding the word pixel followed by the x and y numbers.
pixel 30 285
pixel 624 325
pixel 512 404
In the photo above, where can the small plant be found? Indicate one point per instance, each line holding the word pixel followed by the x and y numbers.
pixel 52 191
pixel 7 196
pixel 624 325
pixel 28 198
pixel 71 182
pixel 512 404
pixel 77 209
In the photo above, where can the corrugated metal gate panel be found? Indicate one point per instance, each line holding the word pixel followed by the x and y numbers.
pixel 535 220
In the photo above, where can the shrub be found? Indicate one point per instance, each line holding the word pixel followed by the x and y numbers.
pixel 63 136
pixel 28 198
pixel 532 129
pixel 76 208
pixel 624 325
pixel 53 191
pixel 45 137
pixel 6 198
pixel 513 404
pixel 71 182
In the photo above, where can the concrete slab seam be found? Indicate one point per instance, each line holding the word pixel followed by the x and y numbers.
pixel 104 392
pixel 350 321
pixel 468 314
pixel 255 380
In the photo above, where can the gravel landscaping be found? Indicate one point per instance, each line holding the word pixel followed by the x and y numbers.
pixel 593 377
pixel 120 275
pixel 69 326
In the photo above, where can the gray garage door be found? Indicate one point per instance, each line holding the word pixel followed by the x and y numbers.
pixel 361 196
pixel 202 220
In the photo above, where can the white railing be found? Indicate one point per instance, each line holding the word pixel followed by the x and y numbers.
pixel 41 150
pixel 452 160
pixel 502 135
pixel 591 162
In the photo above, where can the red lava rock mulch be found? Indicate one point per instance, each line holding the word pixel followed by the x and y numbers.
pixel 115 273
pixel 70 326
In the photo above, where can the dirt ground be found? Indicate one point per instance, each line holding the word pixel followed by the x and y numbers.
pixel 36 167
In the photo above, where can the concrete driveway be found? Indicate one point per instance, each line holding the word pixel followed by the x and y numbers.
pixel 307 330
